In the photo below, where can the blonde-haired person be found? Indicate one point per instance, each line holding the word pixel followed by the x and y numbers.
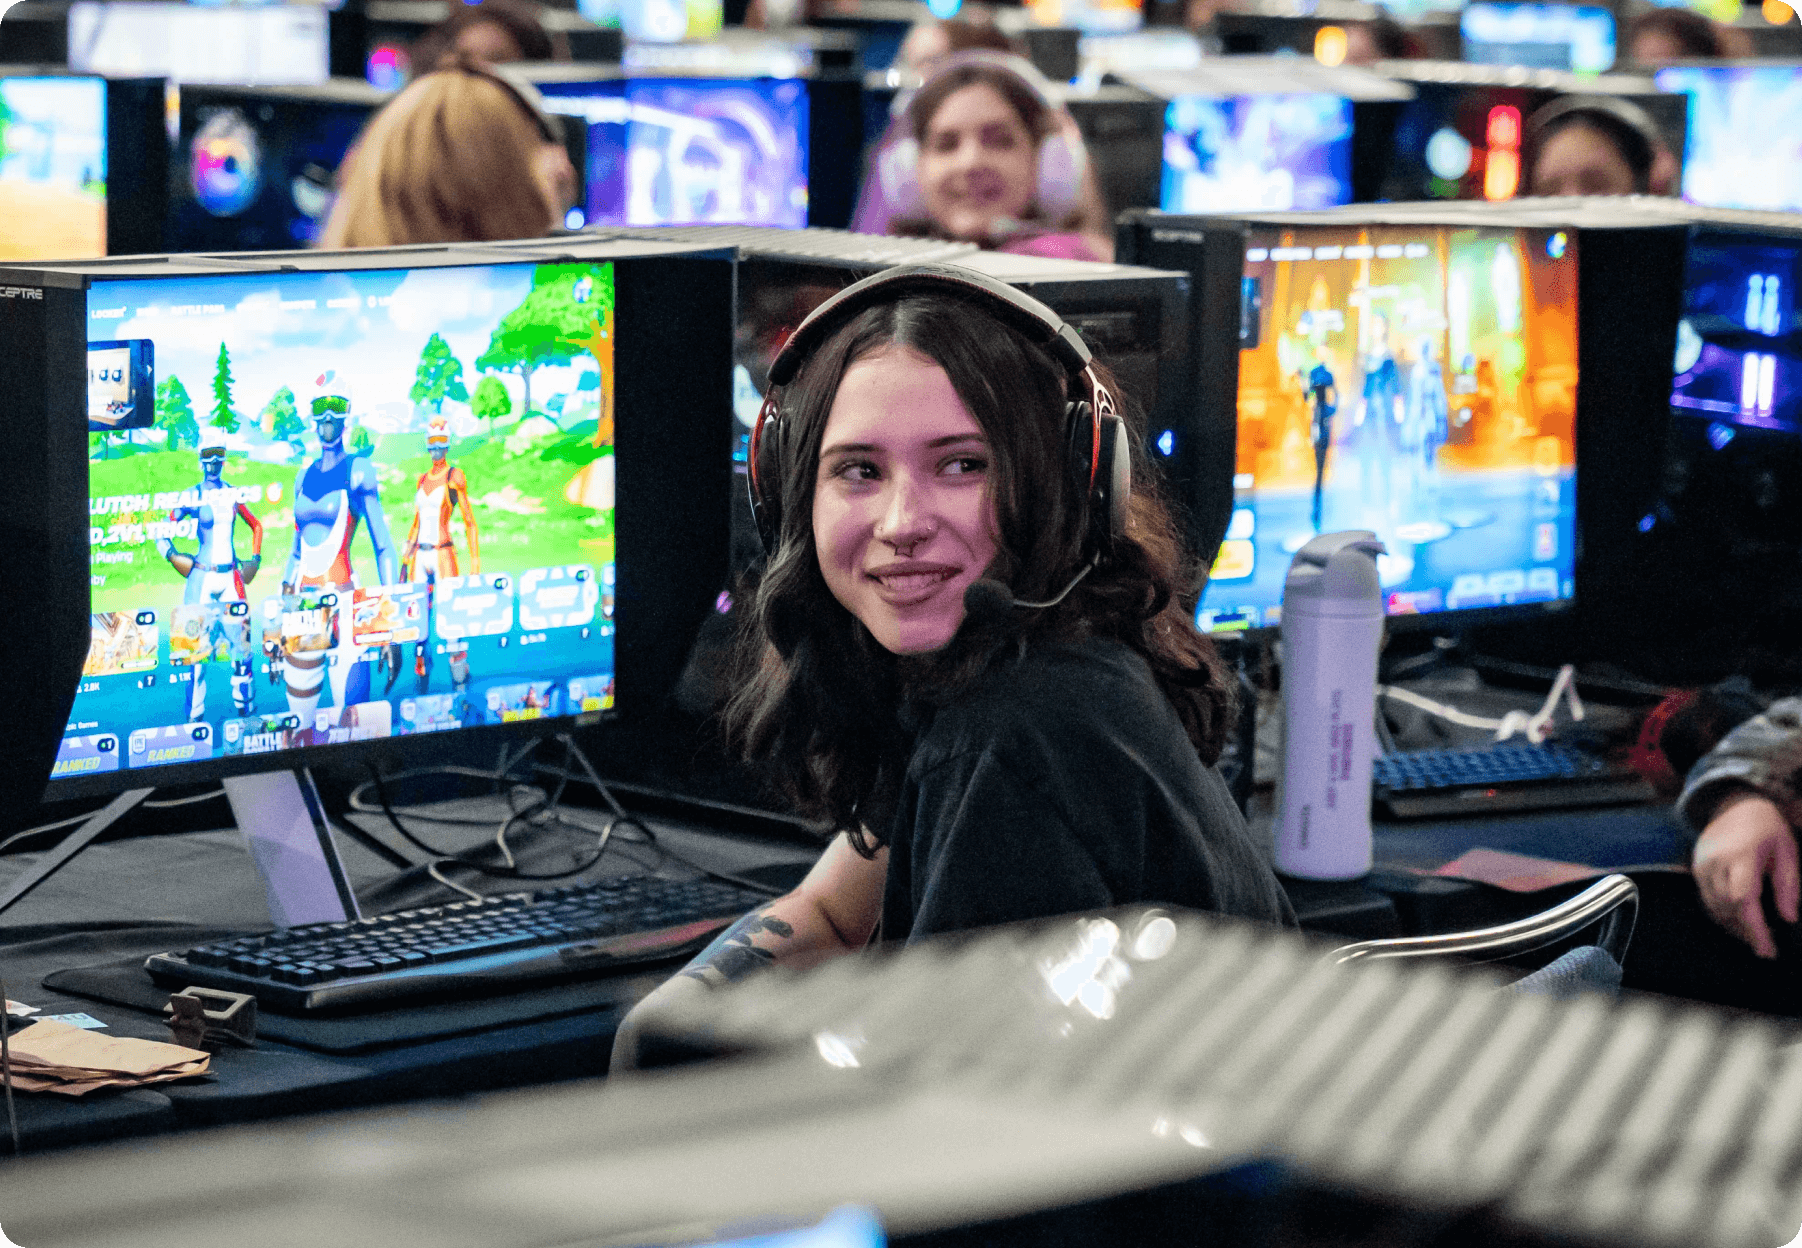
pixel 462 155
pixel 983 152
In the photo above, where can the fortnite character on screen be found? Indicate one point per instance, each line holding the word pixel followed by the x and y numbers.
pixel 215 574
pixel 1323 397
pixel 430 552
pixel 1425 426
pixel 1377 414
pixel 331 495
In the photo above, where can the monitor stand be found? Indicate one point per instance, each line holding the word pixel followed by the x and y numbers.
pixel 285 827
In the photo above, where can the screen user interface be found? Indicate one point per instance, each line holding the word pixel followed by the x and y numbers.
pixel 1456 141
pixel 360 505
pixel 688 151
pixel 1256 152
pixel 52 168
pixel 1738 361
pixel 1541 36
pixel 1727 103
pixel 1420 382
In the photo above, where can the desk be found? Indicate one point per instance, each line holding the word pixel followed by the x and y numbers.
pixel 128 899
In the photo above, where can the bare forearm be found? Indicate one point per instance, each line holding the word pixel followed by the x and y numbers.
pixel 790 931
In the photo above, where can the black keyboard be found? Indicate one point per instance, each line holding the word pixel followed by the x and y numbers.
pixel 1427 784
pixel 465 948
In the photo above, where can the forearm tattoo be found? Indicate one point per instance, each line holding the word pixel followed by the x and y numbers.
pixel 732 956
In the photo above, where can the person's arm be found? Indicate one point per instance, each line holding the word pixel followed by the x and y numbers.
pixel 832 912
pixel 1743 795
pixel 1747 840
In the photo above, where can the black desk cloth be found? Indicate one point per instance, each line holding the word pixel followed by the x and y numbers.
pixel 119 902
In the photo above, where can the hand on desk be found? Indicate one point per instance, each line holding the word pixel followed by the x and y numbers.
pixel 1747 840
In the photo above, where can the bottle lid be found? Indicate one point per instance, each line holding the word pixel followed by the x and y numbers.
pixel 1336 568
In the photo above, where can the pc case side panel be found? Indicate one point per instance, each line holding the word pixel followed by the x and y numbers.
pixel 137 166
pixel 673 406
pixel 44 576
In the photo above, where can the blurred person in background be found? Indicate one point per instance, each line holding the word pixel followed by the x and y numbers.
pixel 1660 36
pixel 1380 39
pixel 1597 145
pixel 930 40
pixel 495 31
pixel 983 152
pixel 464 154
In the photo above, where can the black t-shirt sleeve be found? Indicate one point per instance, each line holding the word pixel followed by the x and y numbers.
pixel 990 848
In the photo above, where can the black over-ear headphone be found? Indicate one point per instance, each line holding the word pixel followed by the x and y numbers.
pixel 1099 454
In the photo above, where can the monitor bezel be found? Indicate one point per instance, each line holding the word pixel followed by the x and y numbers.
pixel 671 504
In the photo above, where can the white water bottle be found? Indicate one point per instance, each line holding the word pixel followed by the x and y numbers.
pixel 1332 627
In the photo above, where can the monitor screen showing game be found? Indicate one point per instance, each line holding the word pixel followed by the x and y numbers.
pixel 1738 362
pixel 687 151
pixel 52 168
pixel 1727 103
pixel 355 505
pixel 1539 36
pixel 275 43
pixel 258 168
pixel 1418 381
pixel 1256 152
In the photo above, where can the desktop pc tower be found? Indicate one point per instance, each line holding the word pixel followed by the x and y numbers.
pixel 1135 320
pixel 1485 385
pixel 86 174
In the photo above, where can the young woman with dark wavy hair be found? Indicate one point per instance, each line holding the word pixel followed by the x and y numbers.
pixel 983 768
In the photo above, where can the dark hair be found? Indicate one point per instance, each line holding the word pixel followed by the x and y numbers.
pixel 1633 135
pixel 1033 113
pixel 1390 39
pixel 1693 34
pixel 519 18
pixel 962 35
pixel 819 700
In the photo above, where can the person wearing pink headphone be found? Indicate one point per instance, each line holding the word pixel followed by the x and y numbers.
pixel 982 152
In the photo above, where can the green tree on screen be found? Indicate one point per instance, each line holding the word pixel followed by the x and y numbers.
pixel 281 418
pixel 175 415
pixel 222 416
pixel 560 316
pixel 491 399
pixel 438 377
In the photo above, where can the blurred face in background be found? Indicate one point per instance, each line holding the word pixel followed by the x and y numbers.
pixel 489 41
pixel 1581 160
pixel 979 164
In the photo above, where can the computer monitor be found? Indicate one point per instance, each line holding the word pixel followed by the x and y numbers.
pixel 1540 36
pixel 657 21
pixel 1728 103
pixel 367 505
pixel 83 164
pixel 241 43
pixel 1256 152
pixel 1423 372
pixel 1463 133
pixel 1720 543
pixel 668 150
pixel 1244 134
pixel 256 167
pixel 1092 17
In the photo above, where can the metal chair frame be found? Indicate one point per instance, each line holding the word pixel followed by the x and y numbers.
pixel 1612 900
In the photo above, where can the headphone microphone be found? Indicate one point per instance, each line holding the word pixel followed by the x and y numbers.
pixel 989 600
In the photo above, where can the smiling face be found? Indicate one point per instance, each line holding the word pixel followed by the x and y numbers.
pixel 903 518
pixel 978 163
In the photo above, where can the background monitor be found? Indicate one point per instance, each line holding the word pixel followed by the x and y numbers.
pixel 1722 539
pixel 83 164
pixel 1418 381
pixel 665 150
pixel 53 152
pixel 256 168
pixel 274 43
pixel 293 416
pixel 1540 36
pixel 1744 147
pixel 1245 153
